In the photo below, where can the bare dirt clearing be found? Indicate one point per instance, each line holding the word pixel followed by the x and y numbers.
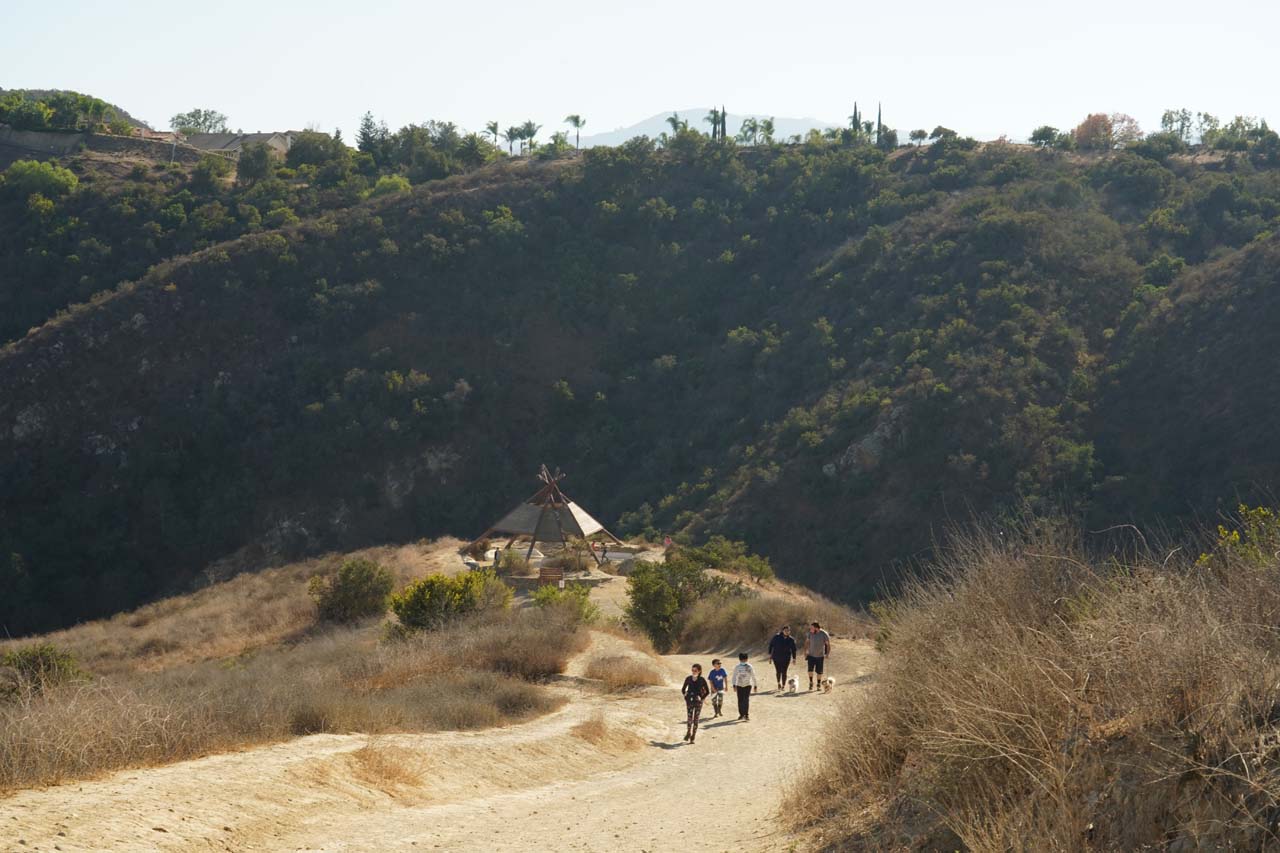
pixel 606 772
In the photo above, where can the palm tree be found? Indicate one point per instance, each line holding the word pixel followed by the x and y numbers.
pixel 528 131
pixel 766 130
pixel 749 130
pixel 471 150
pixel 491 128
pixel 713 118
pixel 677 124
pixel 577 122
pixel 511 135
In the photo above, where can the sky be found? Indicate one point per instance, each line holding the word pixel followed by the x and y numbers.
pixel 982 68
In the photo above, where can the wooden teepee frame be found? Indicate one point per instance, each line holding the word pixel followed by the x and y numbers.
pixel 550 500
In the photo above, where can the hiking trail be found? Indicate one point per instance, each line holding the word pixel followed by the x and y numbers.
pixel 537 785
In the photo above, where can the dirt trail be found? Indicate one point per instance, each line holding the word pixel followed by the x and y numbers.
pixel 533 786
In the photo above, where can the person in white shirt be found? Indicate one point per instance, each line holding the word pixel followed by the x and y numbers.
pixel 744 681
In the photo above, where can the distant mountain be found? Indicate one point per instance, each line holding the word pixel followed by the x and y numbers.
pixel 656 124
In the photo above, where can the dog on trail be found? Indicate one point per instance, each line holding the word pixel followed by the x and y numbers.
pixel 793 684
pixel 827 684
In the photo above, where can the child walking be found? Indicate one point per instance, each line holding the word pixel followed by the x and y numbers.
pixel 718 678
pixel 695 690
pixel 744 681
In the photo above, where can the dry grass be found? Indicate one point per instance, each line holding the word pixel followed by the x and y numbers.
pixel 732 622
pixel 387 769
pixel 623 631
pixel 247 611
pixel 598 733
pixel 1030 692
pixel 471 675
pixel 621 672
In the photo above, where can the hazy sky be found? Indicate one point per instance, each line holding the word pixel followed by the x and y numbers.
pixel 983 68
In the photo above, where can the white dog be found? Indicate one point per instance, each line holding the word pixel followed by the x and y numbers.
pixel 827 684
pixel 793 684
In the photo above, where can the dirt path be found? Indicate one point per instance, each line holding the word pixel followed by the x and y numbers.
pixel 535 786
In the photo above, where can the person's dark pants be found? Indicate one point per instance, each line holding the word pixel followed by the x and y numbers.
pixel 744 701
pixel 781 667
pixel 695 711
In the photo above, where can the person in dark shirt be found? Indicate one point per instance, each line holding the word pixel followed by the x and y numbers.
pixel 718 678
pixel 782 648
pixel 695 691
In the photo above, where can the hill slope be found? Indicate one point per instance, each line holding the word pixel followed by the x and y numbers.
pixel 822 349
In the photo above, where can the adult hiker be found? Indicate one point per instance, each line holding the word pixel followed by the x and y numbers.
pixel 817 648
pixel 695 690
pixel 782 648
pixel 744 681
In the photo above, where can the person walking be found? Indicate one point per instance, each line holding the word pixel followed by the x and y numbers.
pixel 744 681
pixel 695 691
pixel 782 648
pixel 817 649
pixel 718 679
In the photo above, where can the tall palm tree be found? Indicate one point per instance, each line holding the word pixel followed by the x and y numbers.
pixel 511 135
pixel 491 128
pixel 528 131
pixel 577 122
pixel 713 118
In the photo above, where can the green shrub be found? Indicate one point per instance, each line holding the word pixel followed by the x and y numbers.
pixel 659 594
pixel 24 178
pixel 358 590
pixel 574 599
pixel 390 185
pixel 730 556
pixel 209 171
pixel 512 563
pixel 437 599
pixel 42 665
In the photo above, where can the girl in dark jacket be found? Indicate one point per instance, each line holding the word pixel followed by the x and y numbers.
pixel 695 690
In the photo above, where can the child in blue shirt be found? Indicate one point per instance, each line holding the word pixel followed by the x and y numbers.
pixel 718 677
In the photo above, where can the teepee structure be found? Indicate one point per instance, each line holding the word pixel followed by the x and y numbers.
pixel 548 516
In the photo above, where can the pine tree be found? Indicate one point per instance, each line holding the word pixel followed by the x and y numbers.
pixel 879 126
pixel 367 135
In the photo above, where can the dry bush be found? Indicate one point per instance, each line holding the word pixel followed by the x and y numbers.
pixel 387 768
pixel 470 675
pixel 620 672
pixel 736 622
pixel 624 631
pixel 598 733
pixel 1030 692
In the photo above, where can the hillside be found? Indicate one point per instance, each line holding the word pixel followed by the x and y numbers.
pixel 825 350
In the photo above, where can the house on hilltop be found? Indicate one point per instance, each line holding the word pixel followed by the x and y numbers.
pixel 231 144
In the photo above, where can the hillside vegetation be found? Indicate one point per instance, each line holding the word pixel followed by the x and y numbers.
pixel 824 349
pixel 1089 699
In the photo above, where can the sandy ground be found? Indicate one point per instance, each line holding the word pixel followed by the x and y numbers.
pixel 534 786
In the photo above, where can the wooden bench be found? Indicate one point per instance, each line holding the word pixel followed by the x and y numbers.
pixel 550 574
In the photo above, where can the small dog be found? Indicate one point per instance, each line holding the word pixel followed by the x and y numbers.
pixel 793 684
pixel 827 683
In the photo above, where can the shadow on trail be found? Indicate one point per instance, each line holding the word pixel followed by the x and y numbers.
pixel 660 745
pixel 721 723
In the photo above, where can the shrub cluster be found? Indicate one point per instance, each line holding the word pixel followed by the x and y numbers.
pixel 574 599
pixel 436 599
pixel 358 590
pixel 38 666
